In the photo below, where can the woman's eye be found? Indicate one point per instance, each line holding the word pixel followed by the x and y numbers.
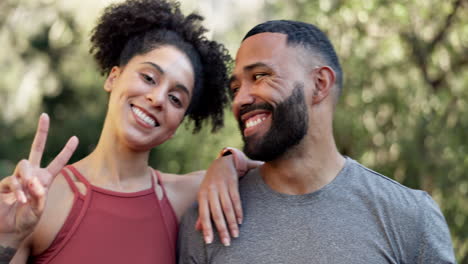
pixel 147 78
pixel 175 100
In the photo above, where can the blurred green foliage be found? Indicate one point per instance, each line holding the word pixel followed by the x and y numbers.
pixel 404 110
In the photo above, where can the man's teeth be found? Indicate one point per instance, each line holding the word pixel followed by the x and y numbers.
pixel 150 121
pixel 255 122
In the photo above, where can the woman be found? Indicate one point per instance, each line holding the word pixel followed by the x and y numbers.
pixel 111 207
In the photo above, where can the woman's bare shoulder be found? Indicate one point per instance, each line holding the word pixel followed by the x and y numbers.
pixel 58 205
pixel 182 181
pixel 182 189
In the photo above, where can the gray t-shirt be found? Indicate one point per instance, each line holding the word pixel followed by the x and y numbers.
pixel 360 217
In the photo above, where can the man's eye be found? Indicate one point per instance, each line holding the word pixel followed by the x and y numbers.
pixel 147 78
pixel 258 76
pixel 175 100
pixel 234 91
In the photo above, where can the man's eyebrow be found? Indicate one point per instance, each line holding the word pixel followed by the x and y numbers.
pixel 232 79
pixel 154 65
pixel 255 65
pixel 249 68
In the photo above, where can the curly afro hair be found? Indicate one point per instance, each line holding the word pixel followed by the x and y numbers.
pixel 136 27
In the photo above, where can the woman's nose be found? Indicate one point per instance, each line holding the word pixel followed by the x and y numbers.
pixel 157 97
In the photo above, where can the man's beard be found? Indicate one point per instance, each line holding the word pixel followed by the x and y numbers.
pixel 289 124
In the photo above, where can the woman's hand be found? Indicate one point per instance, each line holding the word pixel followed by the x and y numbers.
pixel 23 194
pixel 219 199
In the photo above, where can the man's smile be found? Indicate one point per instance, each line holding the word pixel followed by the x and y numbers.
pixel 255 121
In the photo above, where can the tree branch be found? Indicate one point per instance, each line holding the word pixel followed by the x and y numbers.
pixel 445 28
pixel 423 51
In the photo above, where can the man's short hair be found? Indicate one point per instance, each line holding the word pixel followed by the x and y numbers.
pixel 307 35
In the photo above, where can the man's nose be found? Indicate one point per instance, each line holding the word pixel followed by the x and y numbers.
pixel 243 98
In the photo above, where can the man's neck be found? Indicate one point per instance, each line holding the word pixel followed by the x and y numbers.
pixel 304 168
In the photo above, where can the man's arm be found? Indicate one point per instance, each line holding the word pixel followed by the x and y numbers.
pixel 435 242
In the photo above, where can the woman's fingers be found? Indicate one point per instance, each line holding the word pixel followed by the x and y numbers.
pixel 236 201
pixel 60 161
pixel 228 212
pixel 38 145
pixel 252 164
pixel 24 173
pixel 15 186
pixel 204 217
pixel 5 185
pixel 37 193
pixel 218 217
pixel 198 225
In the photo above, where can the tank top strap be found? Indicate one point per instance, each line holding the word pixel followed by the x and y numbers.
pixel 67 177
pixel 159 181
pixel 78 175
pixel 167 211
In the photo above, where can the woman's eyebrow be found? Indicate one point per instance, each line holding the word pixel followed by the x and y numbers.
pixel 154 65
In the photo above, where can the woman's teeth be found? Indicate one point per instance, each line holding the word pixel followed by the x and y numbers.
pixel 251 123
pixel 150 121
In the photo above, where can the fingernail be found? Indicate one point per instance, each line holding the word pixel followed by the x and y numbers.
pixel 235 233
pixel 38 187
pixel 226 242
pixel 208 240
pixel 23 198
pixel 239 220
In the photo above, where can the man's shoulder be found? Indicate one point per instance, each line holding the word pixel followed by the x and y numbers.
pixel 191 214
pixel 381 188
pixel 370 176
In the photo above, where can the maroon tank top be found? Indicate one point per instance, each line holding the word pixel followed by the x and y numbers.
pixel 105 226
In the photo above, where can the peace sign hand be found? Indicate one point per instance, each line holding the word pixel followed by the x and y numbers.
pixel 23 194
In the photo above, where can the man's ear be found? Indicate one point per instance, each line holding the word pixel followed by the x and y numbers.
pixel 113 75
pixel 324 79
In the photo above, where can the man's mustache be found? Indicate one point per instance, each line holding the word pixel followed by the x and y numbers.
pixel 252 107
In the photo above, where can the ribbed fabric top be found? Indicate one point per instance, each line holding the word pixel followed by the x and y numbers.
pixel 105 226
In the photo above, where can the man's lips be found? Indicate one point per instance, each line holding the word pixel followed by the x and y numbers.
pixel 245 117
pixel 254 122
pixel 252 117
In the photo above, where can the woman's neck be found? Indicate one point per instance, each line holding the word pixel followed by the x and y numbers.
pixel 113 162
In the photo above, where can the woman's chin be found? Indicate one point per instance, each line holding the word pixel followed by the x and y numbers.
pixel 141 145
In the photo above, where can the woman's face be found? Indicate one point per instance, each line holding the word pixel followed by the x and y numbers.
pixel 149 97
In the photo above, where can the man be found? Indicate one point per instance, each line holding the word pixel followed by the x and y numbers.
pixel 308 203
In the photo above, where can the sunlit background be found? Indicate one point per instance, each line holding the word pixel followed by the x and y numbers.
pixel 404 111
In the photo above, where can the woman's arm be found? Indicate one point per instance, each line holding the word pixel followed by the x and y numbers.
pixel 23 194
pixel 218 197
pixel 217 192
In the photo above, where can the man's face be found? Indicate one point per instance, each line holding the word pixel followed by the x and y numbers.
pixel 269 101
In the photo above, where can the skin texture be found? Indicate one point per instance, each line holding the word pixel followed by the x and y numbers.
pixel 23 194
pixel 265 72
pixel 291 113
pixel 218 197
pixel 159 83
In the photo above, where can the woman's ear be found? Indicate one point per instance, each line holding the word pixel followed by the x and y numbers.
pixel 113 75
pixel 324 80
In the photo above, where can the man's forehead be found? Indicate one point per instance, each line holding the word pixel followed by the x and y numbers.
pixel 262 45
